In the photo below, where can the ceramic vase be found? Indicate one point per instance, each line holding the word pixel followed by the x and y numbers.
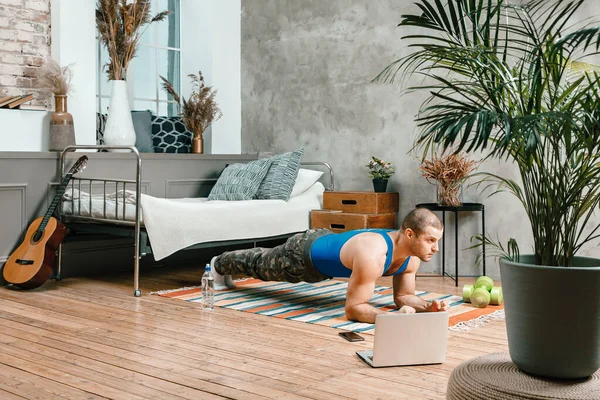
pixel 197 142
pixel 62 130
pixel 119 129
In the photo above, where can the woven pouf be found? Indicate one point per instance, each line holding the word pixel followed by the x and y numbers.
pixel 494 376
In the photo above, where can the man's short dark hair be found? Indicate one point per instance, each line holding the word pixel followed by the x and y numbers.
pixel 419 219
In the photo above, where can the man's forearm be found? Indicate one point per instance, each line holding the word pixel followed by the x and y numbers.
pixel 363 313
pixel 413 301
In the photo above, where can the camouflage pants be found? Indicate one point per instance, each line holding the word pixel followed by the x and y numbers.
pixel 289 262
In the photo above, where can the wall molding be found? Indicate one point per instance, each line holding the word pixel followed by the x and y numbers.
pixel 20 187
pixel 171 184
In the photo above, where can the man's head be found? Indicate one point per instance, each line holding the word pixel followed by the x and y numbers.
pixel 422 229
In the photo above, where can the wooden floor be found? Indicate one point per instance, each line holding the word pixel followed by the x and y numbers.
pixel 89 338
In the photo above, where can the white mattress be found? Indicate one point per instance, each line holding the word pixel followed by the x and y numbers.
pixel 174 224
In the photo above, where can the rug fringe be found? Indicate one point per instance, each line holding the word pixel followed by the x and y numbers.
pixel 477 322
pixel 167 291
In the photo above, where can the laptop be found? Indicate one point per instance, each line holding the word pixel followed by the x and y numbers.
pixel 408 339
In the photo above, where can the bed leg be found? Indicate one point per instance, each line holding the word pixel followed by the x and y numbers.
pixel 136 275
pixel 59 262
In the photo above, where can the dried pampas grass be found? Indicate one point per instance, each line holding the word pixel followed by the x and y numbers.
pixel 449 172
pixel 200 109
pixel 55 78
pixel 119 23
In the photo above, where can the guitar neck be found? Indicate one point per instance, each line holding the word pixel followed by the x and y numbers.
pixel 59 193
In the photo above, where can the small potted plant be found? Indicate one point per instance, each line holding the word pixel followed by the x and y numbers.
pixel 449 172
pixel 380 171
pixel 57 80
pixel 198 111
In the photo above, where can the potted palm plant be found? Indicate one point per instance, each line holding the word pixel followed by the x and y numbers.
pixel 508 80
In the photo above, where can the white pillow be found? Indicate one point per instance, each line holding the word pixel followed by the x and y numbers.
pixel 306 178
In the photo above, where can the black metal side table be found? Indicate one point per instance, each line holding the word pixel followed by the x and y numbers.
pixel 456 210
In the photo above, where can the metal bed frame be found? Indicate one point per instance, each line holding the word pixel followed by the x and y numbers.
pixel 120 225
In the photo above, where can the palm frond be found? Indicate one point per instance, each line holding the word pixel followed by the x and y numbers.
pixel 504 78
pixel 494 248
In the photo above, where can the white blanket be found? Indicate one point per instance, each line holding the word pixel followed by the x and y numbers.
pixel 78 203
pixel 174 224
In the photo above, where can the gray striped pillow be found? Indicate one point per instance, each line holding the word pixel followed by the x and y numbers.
pixel 280 179
pixel 240 181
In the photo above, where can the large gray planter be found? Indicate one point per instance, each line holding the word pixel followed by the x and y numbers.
pixel 553 316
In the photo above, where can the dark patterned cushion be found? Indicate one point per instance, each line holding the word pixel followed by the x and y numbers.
pixel 240 181
pixel 169 135
pixel 142 124
pixel 279 181
pixel 100 124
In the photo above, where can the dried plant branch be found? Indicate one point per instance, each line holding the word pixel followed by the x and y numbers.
pixel 449 172
pixel 55 78
pixel 200 109
pixel 119 25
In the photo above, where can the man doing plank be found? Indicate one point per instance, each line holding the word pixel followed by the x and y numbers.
pixel 363 255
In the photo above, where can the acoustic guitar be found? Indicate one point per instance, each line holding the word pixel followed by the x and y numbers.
pixel 30 265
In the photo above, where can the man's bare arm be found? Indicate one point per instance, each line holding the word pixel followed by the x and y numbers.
pixel 357 306
pixel 404 292
pixel 367 259
pixel 365 254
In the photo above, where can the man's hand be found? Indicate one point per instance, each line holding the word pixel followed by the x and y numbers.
pixel 438 305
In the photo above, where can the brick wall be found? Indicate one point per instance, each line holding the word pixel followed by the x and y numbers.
pixel 24 43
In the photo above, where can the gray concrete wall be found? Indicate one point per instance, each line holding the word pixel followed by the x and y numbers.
pixel 307 67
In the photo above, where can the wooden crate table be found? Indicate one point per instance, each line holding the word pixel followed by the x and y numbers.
pixel 343 211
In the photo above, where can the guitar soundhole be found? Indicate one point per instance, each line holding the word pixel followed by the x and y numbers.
pixel 37 236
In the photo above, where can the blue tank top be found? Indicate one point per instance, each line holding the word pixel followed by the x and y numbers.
pixel 325 253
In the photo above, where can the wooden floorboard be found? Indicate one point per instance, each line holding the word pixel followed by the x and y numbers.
pixel 90 338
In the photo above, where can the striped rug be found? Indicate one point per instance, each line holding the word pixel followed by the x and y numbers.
pixel 323 303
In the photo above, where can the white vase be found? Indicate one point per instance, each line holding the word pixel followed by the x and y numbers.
pixel 119 130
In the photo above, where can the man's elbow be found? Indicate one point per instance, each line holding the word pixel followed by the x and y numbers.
pixel 351 313
pixel 400 301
